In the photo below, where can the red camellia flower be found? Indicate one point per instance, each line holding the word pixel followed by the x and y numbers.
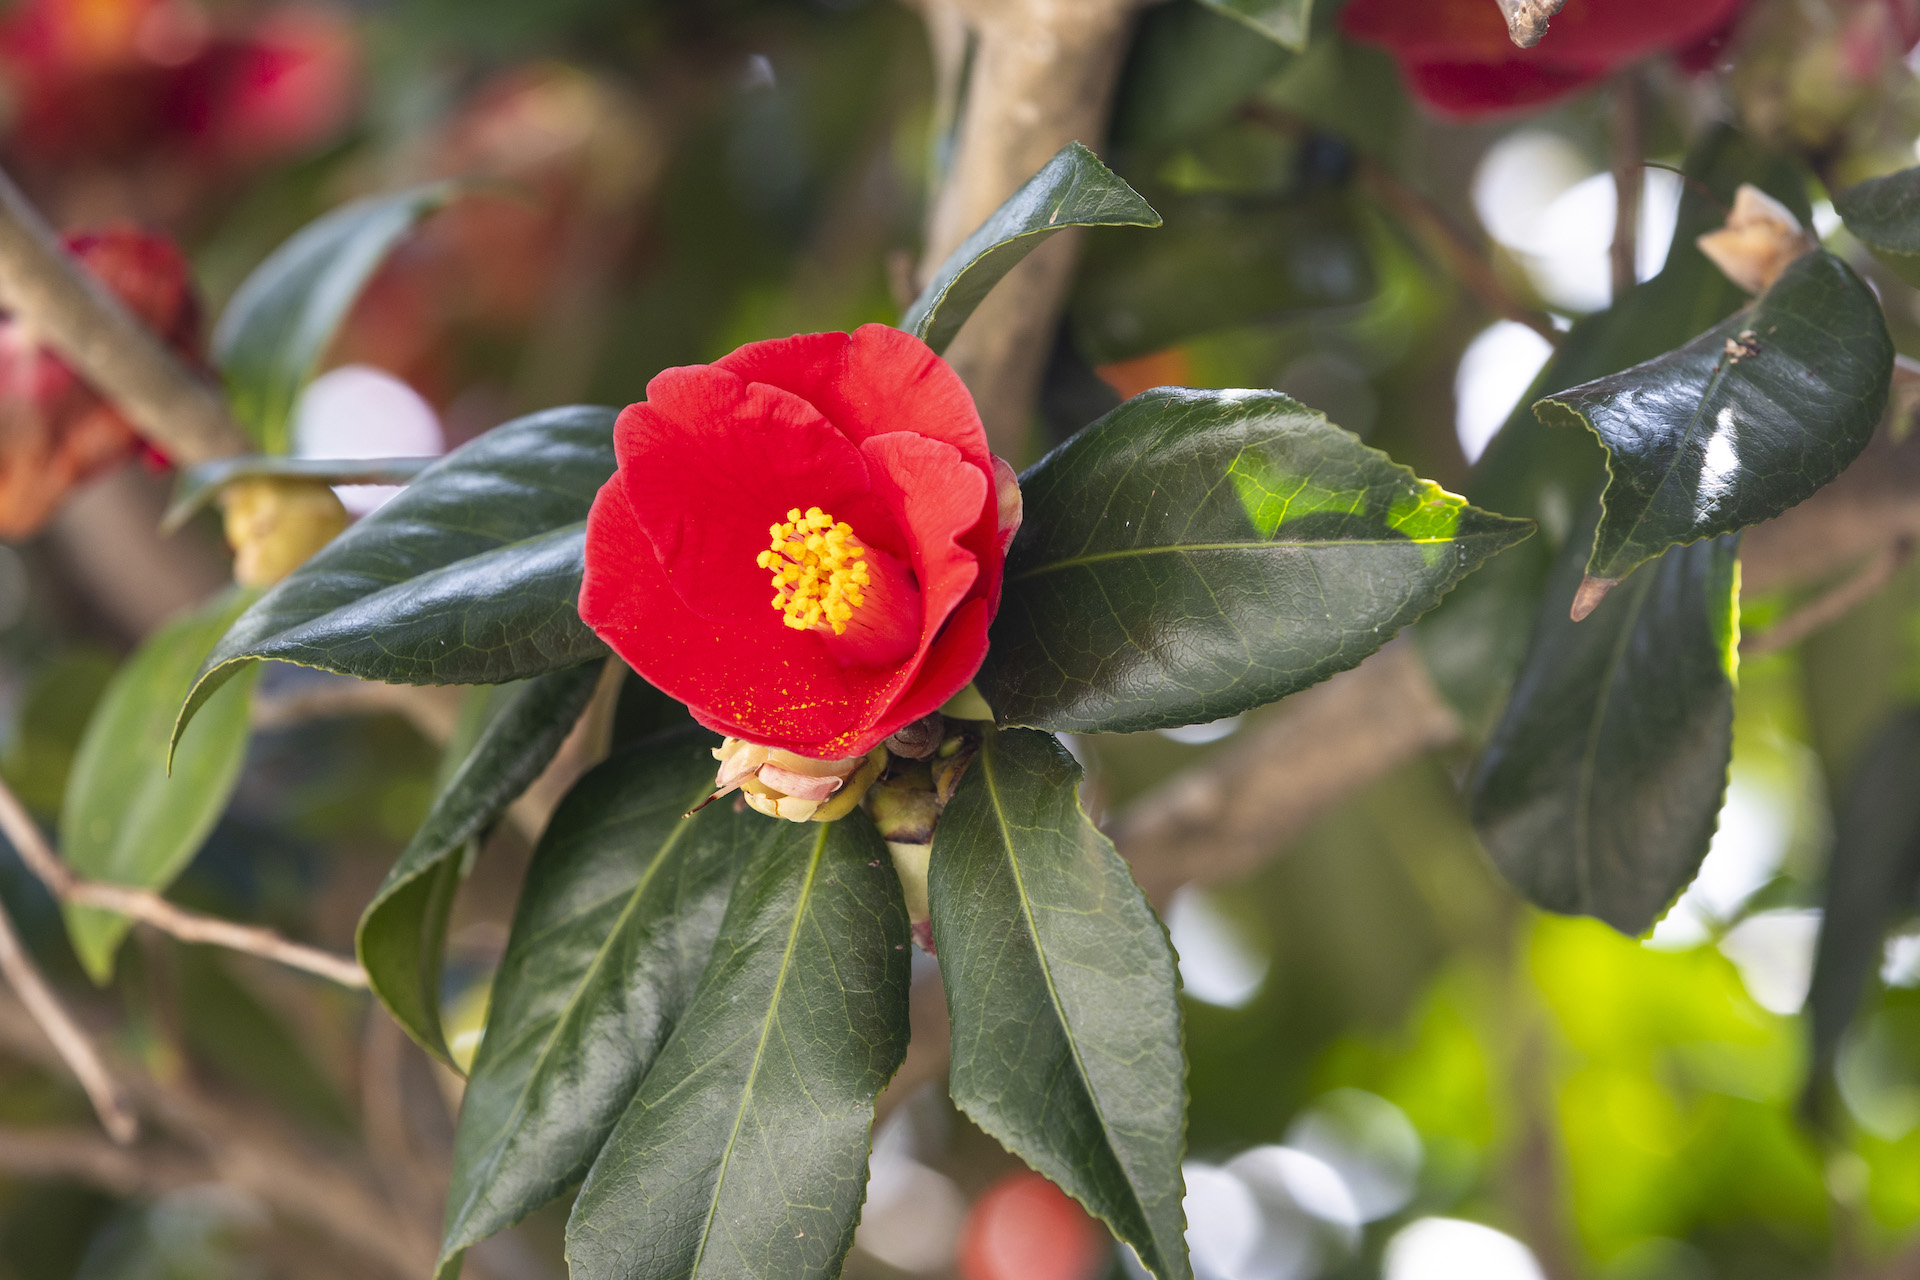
pixel 803 541
pixel 55 430
pixel 1457 57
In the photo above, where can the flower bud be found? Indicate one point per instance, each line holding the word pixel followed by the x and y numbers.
pixel 1760 238
pixel 920 739
pixel 274 525
pixel 798 788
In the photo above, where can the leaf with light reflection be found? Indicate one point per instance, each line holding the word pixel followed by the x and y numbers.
pixel 1748 419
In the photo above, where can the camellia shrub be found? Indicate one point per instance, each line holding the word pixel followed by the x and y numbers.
pixel 828 666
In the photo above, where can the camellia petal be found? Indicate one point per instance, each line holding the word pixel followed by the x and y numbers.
pixel 802 540
pixel 1459 59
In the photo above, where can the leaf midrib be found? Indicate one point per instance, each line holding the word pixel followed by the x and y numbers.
pixel 1184 548
pixel 760 1050
pixel 1046 973
pixel 567 1010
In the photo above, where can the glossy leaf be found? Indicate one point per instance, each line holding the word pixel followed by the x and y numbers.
pixel 1884 215
pixel 1873 875
pixel 1748 419
pixel 1219 261
pixel 1285 22
pixel 124 818
pixel 1598 791
pixel 745 1151
pixel 612 933
pixel 468 577
pixel 1475 642
pixel 199 485
pixel 283 316
pixel 1062 991
pixel 403 930
pixel 1072 190
pixel 1197 553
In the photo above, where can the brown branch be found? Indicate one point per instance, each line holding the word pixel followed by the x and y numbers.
pixel 1042 74
pixel 1831 605
pixel 1628 142
pixel 431 709
pixel 1221 819
pixel 150 908
pixel 75 1049
pixel 80 1155
pixel 94 332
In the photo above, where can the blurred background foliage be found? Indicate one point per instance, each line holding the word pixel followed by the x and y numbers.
pixel 1386 1046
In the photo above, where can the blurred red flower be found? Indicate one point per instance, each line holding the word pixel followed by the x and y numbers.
pixel 55 431
pixel 108 79
pixel 1025 1228
pixel 803 540
pixel 1457 58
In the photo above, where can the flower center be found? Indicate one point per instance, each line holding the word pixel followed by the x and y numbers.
pixel 820 570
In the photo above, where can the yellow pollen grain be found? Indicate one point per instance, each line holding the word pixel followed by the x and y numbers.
pixel 819 570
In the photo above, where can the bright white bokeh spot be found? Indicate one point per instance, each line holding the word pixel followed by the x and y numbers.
pixel 1826 219
pixel 1219 963
pixel 1773 950
pixel 1495 371
pixel 1369 1143
pixel 1540 197
pixel 1308 1183
pixel 1521 175
pixel 1749 844
pixel 1223 1222
pixel 1900 964
pixel 913 1214
pixel 1450 1249
pixel 1196 735
pixel 358 411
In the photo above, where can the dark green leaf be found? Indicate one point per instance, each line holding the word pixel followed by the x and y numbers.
pixel 1598 791
pixel 404 928
pixel 1062 991
pixel 1188 69
pixel 612 933
pixel 1475 642
pixel 1072 190
pixel 1219 261
pixel 745 1152
pixel 124 819
pixel 1746 420
pixel 198 485
pixel 1197 553
pixel 283 316
pixel 1285 22
pixel 1872 876
pixel 1884 215
pixel 468 577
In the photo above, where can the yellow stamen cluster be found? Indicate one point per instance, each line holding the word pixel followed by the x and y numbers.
pixel 819 571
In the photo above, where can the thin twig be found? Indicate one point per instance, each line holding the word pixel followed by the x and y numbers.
pixel 24 976
pixel 150 908
pixel 1443 239
pixel 1832 605
pixel 1628 144
pixel 80 1155
pixel 66 306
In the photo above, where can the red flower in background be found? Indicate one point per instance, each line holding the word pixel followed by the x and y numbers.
pixel 1457 57
pixel 55 431
pixel 104 80
pixel 803 540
